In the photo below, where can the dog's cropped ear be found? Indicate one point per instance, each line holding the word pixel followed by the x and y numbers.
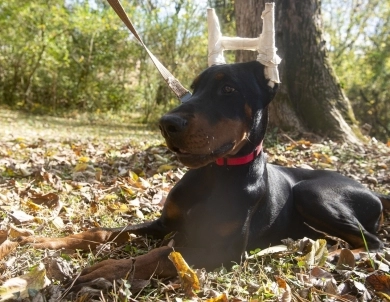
pixel 266 85
pixel 272 91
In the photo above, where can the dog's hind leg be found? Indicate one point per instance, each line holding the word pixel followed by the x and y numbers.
pixel 351 213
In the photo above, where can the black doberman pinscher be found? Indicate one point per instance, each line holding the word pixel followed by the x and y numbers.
pixel 232 201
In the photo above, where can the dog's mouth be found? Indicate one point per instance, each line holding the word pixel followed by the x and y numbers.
pixel 221 151
pixel 195 159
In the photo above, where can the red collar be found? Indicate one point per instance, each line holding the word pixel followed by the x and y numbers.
pixel 236 161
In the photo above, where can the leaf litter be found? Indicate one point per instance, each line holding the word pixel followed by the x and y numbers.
pixel 57 179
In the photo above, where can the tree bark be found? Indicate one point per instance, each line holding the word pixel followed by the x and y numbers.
pixel 310 98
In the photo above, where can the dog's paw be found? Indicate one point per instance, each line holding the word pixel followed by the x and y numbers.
pixel 42 242
pixel 103 274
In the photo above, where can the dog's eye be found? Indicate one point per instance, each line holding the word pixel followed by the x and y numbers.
pixel 228 89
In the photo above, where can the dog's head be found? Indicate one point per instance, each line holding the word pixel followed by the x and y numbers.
pixel 226 115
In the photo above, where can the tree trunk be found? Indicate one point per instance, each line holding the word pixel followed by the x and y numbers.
pixel 310 98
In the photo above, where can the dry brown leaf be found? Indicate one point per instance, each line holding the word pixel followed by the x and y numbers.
pixel 286 295
pixel 380 282
pixel 3 236
pixel 323 279
pixel 98 174
pixel 50 200
pixel 15 232
pixel 58 268
pixel 346 260
pixel 6 248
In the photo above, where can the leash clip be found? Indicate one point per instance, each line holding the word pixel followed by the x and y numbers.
pixel 186 97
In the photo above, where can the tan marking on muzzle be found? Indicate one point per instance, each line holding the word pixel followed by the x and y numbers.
pixel 203 138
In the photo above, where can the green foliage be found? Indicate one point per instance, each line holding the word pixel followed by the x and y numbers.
pixel 58 56
pixel 176 34
pixel 359 49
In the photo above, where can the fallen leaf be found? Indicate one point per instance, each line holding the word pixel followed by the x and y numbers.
pixel 127 189
pixel 134 203
pixel 33 206
pixel 145 184
pixel 324 280
pixel 380 282
pixel 221 298
pixel 187 276
pixel 6 248
pixel 270 250
pixel 15 232
pixel 58 268
pixel 58 223
pixel 20 217
pixel 50 200
pixel 3 236
pixel 286 290
pixel 80 167
pixel 159 198
pixel 346 260
pixel 98 174
pixel 317 254
pixel 19 287
pixel 133 176
pixel 139 214
pixel 118 207
pixel 83 159
pixel 165 168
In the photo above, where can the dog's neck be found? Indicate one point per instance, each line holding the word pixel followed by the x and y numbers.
pixel 256 135
pixel 242 160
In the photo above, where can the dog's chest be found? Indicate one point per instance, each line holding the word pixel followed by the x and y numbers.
pixel 215 217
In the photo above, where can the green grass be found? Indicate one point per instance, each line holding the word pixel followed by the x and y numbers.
pixel 118 127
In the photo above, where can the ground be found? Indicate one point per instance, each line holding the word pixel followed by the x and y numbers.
pixel 60 176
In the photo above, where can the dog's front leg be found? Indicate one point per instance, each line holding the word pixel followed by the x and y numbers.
pixel 157 263
pixel 154 263
pixel 91 238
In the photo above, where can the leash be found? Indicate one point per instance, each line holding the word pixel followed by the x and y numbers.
pixel 237 161
pixel 178 89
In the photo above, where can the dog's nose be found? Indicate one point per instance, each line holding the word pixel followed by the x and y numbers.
pixel 172 124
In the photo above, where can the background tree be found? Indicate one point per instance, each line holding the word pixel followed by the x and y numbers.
pixel 310 97
pixel 358 36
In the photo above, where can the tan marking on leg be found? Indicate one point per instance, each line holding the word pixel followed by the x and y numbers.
pixel 227 228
